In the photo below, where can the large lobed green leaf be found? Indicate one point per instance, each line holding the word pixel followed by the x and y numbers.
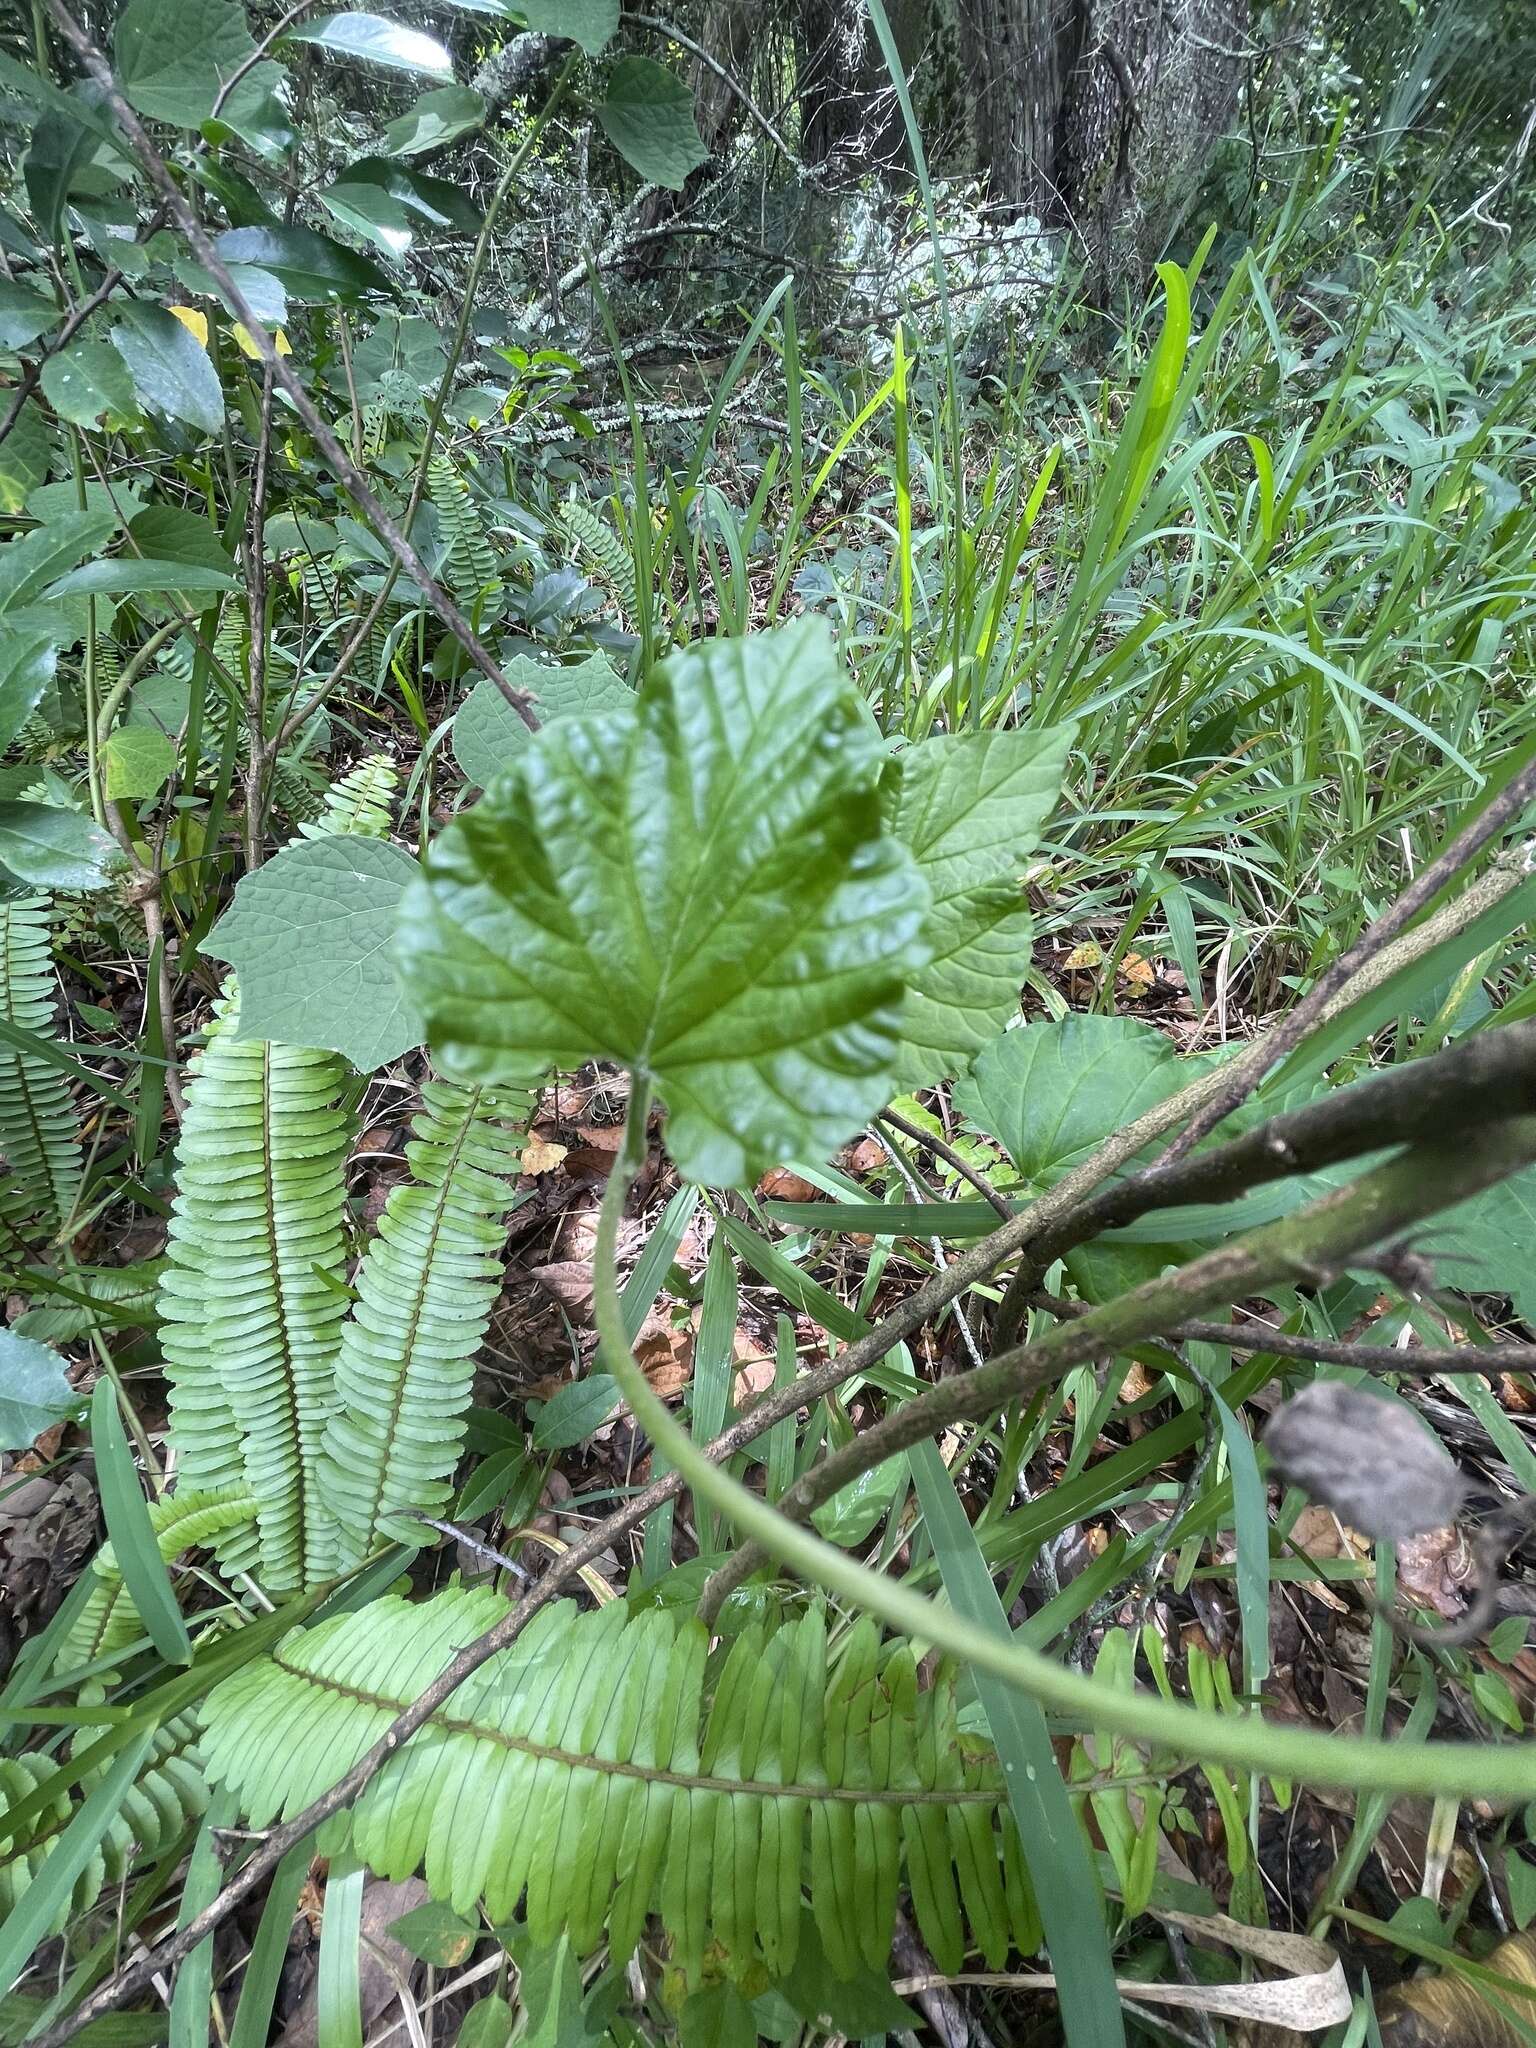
pixel 971 807
pixel 699 888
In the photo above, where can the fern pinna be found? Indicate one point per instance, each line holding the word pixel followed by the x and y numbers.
pixel 605 1770
pixel 39 1129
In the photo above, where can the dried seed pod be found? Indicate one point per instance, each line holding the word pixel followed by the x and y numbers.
pixel 1367 1458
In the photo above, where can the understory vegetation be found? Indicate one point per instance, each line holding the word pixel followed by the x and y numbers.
pixel 767 1055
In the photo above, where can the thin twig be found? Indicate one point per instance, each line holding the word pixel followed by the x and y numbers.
pixel 941 1149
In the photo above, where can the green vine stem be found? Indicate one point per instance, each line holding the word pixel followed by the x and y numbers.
pixel 1436 1174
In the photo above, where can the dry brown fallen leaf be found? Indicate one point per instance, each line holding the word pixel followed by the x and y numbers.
pixel 541 1155
pixel 778 1184
pixel 1446 2011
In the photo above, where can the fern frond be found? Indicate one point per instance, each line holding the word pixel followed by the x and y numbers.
pixel 359 804
pixel 169 1794
pixel 252 1299
pixel 585 1768
pixel 425 1290
pixel 182 1521
pixel 39 1129
pixel 470 569
pixel 607 555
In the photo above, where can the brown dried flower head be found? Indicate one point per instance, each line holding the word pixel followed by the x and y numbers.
pixel 1368 1459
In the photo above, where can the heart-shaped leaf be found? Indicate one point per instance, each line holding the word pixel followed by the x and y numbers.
pixel 174 55
pixel 310 936
pixel 648 117
pixel 487 732
pixel 698 887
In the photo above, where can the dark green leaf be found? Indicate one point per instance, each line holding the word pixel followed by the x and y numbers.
pixel 570 1415
pixel 27 663
pixel 434 1934
pixel 172 56
pixel 24 314
pixel 170 533
pixel 377 41
pixel 437 119
pixel 130 1530
pixel 592 23
pixel 487 2024
pixel 255 112
pixel 648 117
pixel 34 1392
pixel 310 935
pixel 119 575
pixel 433 201
pixel 311 268
pixel 487 732
pixel 63 144
pixel 54 849
pixel 171 369
pixel 87 382
pixel 716 2017
pixel 858 2006
pixel 697 887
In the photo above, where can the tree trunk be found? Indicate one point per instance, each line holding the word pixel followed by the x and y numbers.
pixel 1099 116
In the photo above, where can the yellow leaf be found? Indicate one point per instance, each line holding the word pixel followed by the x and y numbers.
pixel 1082 958
pixel 248 347
pixel 195 323
pixel 1137 976
pixel 540 1156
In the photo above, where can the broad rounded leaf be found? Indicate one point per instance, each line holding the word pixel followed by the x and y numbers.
pixel 310 267
pixel 436 119
pixel 698 887
pixel 378 41
pixel 310 935
pixel 487 732
pixel 34 1392
pixel 170 533
pixel 139 760
pixel 173 56
pixel 87 381
pixel 52 848
pixel 592 23
pixel 1051 1093
pixel 648 117
pixel 24 314
pixel 171 370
